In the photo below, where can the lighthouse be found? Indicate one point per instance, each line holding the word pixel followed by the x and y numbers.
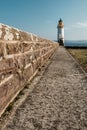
pixel 60 35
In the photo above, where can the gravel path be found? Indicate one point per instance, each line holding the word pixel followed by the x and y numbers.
pixel 58 101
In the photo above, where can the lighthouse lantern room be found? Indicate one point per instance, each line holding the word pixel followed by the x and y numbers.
pixel 60 35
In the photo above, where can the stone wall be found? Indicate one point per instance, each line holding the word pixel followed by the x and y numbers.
pixel 21 54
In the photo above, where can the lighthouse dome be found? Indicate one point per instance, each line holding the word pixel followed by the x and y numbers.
pixel 60 23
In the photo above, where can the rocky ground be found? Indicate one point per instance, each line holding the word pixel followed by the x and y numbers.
pixel 57 102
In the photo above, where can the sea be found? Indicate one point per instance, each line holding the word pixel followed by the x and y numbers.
pixel 77 43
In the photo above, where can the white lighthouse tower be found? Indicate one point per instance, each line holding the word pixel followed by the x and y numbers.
pixel 60 37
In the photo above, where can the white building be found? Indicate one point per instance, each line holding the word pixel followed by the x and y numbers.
pixel 60 35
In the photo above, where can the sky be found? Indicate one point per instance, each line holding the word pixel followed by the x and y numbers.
pixel 41 17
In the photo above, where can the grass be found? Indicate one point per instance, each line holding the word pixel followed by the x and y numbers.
pixel 81 56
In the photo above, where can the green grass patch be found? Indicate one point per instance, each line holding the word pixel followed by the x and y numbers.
pixel 81 56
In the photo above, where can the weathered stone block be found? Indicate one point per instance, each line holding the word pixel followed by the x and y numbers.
pixel 25 46
pixel 35 65
pixel 4 74
pixel 37 46
pixel 1 49
pixel 7 65
pixel 13 48
pixel 8 88
pixel 27 74
pixel 25 36
pixel 37 54
pixel 19 61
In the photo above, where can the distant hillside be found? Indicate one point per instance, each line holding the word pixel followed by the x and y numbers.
pixel 75 43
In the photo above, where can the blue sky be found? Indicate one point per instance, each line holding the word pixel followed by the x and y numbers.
pixel 41 17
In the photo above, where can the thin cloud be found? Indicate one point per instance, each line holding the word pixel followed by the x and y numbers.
pixel 77 25
pixel 82 24
pixel 67 28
